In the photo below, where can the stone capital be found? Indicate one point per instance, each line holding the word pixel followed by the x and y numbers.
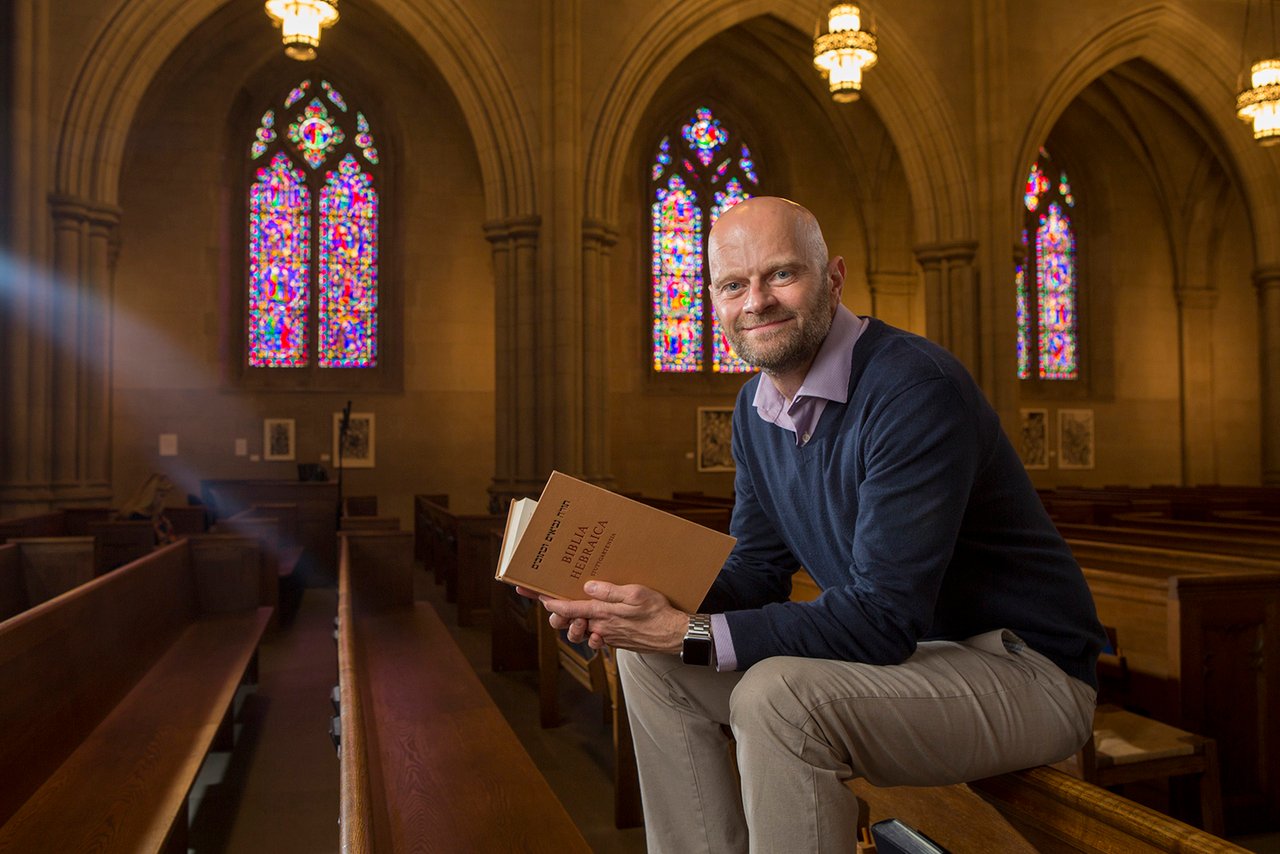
pixel 1267 278
pixel 524 228
pixel 599 231
pixel 955 252
pixel 1196 297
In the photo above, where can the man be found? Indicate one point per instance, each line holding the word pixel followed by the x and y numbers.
pixel 955 637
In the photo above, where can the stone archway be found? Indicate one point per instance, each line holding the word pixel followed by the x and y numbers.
pixel 1172 41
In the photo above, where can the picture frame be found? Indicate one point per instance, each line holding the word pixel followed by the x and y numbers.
pixel 279 439
pixel 358 451
pixel 1076 440
pixel 1033 439
pixel 715 439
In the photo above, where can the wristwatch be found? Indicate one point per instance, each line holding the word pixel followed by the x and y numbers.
pixel 699 647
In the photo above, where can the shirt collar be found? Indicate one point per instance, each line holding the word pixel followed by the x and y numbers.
pixel 828 376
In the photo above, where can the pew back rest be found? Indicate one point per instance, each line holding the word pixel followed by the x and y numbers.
pixel 286 515
pixel 380 569
pixel 244 552
pixel 53 524
pixel 13 589
pixel 119 541
pixel 1222 542
pixel 76 520
pixel 188 519
pixel 67 662
pixel 53 565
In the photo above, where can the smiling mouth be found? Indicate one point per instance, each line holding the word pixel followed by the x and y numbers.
pixel 769 324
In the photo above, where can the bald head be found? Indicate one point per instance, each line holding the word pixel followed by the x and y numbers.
pixel 774 290
pixel 765 217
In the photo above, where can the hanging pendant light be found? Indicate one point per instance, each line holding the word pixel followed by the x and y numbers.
pixel 1260 104
pixel 300 22
pixel 844 52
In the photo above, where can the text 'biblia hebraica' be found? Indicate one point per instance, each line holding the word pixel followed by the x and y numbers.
pixel 581 525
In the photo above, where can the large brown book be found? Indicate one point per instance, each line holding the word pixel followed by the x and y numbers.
pixel 576 532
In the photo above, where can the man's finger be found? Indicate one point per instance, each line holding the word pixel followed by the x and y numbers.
pixel 569 608
pixel 606 592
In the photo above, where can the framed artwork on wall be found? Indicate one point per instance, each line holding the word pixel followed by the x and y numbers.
pixel 1075 438
pixel 278 439
pixel 715 438
pixel 357 452
pixel 1033 443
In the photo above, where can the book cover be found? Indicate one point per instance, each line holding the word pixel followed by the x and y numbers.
pixel 576 532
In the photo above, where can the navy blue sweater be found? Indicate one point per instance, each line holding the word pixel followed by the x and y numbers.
pixel 912 512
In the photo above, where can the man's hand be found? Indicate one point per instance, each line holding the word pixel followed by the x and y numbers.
pixel 628 616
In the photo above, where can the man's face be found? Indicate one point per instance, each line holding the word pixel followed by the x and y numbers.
pixel 774 296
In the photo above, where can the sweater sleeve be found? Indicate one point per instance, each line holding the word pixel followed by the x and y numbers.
pixel 920 454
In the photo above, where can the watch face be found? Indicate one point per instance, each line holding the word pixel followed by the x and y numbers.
pixel 696 651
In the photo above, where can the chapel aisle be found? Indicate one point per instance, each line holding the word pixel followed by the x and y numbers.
pixel 278 790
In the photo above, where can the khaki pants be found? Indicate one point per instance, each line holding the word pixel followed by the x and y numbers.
pixel 954 711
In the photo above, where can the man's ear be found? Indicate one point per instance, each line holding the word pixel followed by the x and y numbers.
pixel 835 277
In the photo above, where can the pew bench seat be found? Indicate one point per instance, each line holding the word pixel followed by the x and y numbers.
pixel 125 787
pixel 428 762
pixel 1035 811
pixel 113 693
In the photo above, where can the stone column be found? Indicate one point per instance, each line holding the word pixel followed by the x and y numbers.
pixel 96 315
pixel 69 227
pixel 951 298
pixel 893 298
pixel 517 404
pixel 25 306
pixel 81 292
pixel 1267 281
pixel 598 238
pixel 1195 355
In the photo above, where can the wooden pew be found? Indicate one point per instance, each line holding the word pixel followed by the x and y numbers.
pixel 1241 540
pixel 1036 811
pixel 50 566
pixel 456 549
pixel 1200 634
pixel 13 587
pixel 428 761
pixel 112 694
pixel 317 505
pixel 52 524
pixel 275 528
pixel 422 525
pixel 370 523
pixel 118 542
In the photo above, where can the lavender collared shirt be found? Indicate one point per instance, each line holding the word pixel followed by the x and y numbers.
pixel 827 379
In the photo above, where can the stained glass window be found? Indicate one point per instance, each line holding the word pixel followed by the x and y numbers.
pixel 697 175
pixel 1047 317
pixel 348 268
pixel 330 211
pixel 279 258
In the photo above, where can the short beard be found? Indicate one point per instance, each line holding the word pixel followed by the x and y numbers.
pixel 802 343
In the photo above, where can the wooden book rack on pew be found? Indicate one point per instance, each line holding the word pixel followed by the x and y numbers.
pixel 428 761
pixel 1196 628
pixel 106 728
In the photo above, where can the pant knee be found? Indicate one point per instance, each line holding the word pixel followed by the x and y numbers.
pixel 765 700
